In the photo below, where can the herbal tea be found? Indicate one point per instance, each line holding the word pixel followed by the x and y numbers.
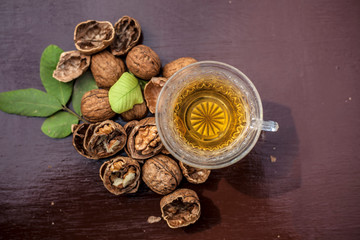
pixel 209 115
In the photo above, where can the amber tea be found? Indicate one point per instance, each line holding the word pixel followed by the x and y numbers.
pixel 209 114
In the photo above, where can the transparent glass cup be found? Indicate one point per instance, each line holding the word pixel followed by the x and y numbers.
pixel 225 156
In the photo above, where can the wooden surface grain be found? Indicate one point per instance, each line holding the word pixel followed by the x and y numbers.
pixel 299 183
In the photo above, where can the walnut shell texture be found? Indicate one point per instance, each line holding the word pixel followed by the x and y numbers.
pixel 194 175
pixel 120 175
pixel 161 174
pixel 152 90
pixel 106 69
pixel 180 208
pixel 143 140
pixel 79 132
pixel 139 111
pixel 71 65
pixel 95 106
pixel 93 36
pixel 174 66
pixel 143 62
pixel 127 35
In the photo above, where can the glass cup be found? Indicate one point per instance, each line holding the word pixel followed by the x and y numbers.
pixel 240 146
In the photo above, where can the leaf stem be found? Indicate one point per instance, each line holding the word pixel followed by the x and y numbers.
pixel 73 113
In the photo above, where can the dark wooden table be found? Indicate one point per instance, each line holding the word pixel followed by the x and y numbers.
pixel 302 182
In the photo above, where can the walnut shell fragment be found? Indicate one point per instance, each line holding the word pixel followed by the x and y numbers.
pixel 99 140
pixel 143 140
pixel 120 175
pixel 139 111
pixel 71 65
pixel 95 106
pixel 127 35
pixel 93 36
pixel 143 62
pixel 161 174
pixel 180 208
pixel 152 90
pixel 106 69
pixel 194 175
pixel 174 66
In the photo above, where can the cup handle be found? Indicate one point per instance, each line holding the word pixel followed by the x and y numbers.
pixel 269 126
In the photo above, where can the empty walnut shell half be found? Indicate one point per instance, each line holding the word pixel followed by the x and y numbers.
pixel 161 174
pixel 71 65
pixel 127 35
pixel 180 208
pixel 121 175
pixel 143 62
pixel 93 36
pixel 139 111
pixel 106 69
pixel 174 66
pixel 144 140
pixel 95 106
pixel 99 140
pixel 194 175
pixel 152 90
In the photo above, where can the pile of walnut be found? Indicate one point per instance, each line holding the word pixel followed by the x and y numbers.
pixel 109 51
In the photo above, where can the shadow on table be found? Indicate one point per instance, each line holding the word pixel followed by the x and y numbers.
pixel 272 167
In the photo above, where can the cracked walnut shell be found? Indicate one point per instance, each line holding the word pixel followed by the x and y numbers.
pixel 161 174
pixel 120 175
pixel 180 208
pixel 152 90
pixel 174 66
pixel 71 65
pixel 143 62
pixel 95 106
pixel 127 35
pixel 93 36
pixel 106 69
pixel 194 175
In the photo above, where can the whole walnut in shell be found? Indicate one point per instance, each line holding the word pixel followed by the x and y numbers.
pixel 161 174
pixel 121 175
pixel 152 90
pixel 95 106
pixel 139 111
pixel 99 140
pixel 93 36
pixel 127 35
pixel 71 65
pixel 174 66
pixel 143 62
pixel 106 69
pixel 180 208
pixel 194 175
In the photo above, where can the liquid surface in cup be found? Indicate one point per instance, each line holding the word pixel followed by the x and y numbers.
pixel 209 115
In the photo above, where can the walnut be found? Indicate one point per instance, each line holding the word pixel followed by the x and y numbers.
pixel 161 174
pixel 71 65
pixel 120 175
pixel 106 69
pixel 143 140
pixel 93 36
pixel 180 208
pixel 99 140
pixel 176 65
pixel 139 111
pixel 127 35
pixel 95 106
pixel 152 90
pixel 194 175
pixel 143 62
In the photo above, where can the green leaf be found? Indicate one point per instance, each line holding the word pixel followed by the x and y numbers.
pixel 125 93
pixel 142 83
pixel 49 59
pixel 83 84
pixel 59 124
pixel 29 102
